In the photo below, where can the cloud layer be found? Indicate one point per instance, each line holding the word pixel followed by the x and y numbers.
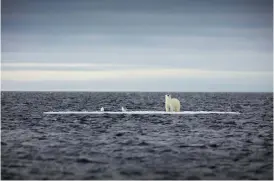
pixel 142 45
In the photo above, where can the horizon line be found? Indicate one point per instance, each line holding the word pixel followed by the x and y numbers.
pixel 126 91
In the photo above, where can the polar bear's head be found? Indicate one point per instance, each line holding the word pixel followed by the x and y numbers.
pixel 168 96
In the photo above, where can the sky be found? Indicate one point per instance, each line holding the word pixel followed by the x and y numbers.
pixel 144 45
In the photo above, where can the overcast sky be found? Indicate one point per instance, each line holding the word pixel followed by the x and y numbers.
pixel 141 45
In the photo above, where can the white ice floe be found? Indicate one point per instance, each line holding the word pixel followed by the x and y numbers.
pixel 142 112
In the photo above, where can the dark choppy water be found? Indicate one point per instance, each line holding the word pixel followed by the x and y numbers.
pixel 35 146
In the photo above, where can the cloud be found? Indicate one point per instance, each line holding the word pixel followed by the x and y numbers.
pixel 234 40
pixel 158 84
pixel 157 58
pixel 30 66
pixel 132 74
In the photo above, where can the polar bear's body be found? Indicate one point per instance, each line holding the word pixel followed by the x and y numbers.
pixel 172 104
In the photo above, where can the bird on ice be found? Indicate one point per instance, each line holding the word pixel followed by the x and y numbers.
pixel 123 109
pixel 102 109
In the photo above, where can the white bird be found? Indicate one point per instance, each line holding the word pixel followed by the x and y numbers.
pixel 123 109
pixel 102 109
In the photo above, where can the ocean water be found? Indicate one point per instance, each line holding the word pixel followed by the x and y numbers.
pixel 203 146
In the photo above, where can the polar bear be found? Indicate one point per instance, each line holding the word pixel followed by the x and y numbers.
pixel 172 104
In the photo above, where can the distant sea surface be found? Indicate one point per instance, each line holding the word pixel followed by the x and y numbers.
pixel 202 146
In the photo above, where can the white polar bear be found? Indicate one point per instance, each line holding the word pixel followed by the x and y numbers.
pixel 172 104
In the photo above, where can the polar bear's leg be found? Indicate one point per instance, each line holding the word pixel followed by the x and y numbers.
pixel 174 108
pixel 171 108
pixel 179 106
pixel 177 109
pixel 167 108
